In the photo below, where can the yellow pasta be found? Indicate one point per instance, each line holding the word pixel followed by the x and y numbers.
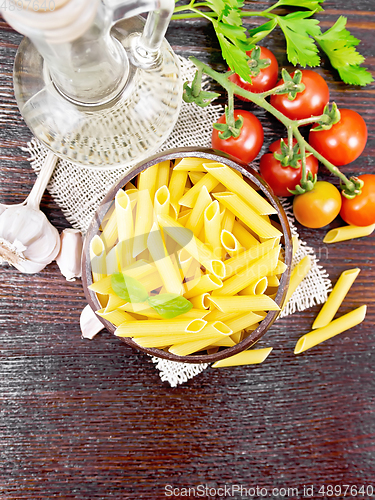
pixel 206 283
pixel 114 302
pixel 109 234
pixel 243 259
pixel 236 185
pixel 196 218
pixel 201 301
pixel 212 228
pixel 252 357
pixel 192 164
pixel 337 326
pixel 176 188
pixel 240 303
pixel 185 238
pixel 272 281
pixel 299 272
pixel 257 287
pixel 279 269
pixel 163 174
pixel 256 270
pixel 149 312
pixel 111 261
pixel 223 342
pixel 228 220
pixel 347 233
pixel 211 333
pixel 98 258
pixel 125 227
pixel 242 321
pixel 244 236
pixel 335 298
pixel 295 243
pixel 230 243
pixel 147 180
pixel 196 176
pixel 116 317
pixel 143 222
pixel 162 201
pixel 189 199
pixel 245 213
pixel 168 326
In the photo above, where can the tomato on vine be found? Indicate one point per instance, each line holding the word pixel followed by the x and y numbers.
pixel 263 71
pixel 249 141
pixel 310 102
pixel 318 207
pixel 284 179
pixel 344 141
pixel 360 211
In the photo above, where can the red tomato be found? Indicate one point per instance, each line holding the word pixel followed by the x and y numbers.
pixel 248 144
pixel 360 211
pixel 318 207
pixel 282 179
pixel 265 80
pixel 308 103
pixel 344 141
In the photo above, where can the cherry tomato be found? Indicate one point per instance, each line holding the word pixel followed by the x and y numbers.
pixel 265 80
pixel 248 144
pixel 308 103
pixel 282 179
pixel 318 207
pixel 344 141
pixel 360 211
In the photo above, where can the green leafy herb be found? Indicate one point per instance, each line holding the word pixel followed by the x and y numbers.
pixel 170 305
pixel 339 45
pixel 302 34
pixel 128 288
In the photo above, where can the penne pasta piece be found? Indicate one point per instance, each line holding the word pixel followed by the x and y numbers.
pixel 337 326
pixel 242 321
pixel 196 176
pixel 248 215
pixel 239 262
pixel 190 198
pixel 163 174
pixel 113 303
pixel 237 337
pixel 255 270
pixel 155 327
pixel 244 236
pixel 241 303
pixel 201 301
pixel 125 227
pixel 176 188
pixel 206 283
pixel 273 281
pixel 116 317
pixel 185 238
pixel 161 201
pixel 147 180
pixel 183 216
pixel 295 243
pixel 279 269
pixel 223 342
pixel 109 234
pixel 345 233
pixel 230 243
pixel 228 220
pixel 241 188
pixel 191 164
pixel 196 219
pixel 299 272
pixel 252 357
pixel 335 298
pixel 149 312
pixel 168 272
pixel 111 261
pixel 257 287
pixel 216 315
pixel 143 222
pixel 98 258
pixel 211 333
pixel 212 228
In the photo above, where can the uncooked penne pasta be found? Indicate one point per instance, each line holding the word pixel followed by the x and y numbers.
pixel 163 174
pixel 196 219
pixel 295 243
pixel 196 176
pixel 242 260
pixel 116 317
pixel 125 227
pixel 337 326
pixel 239 303
pixel 244 320
pixel 98 259
pixel 228 220
pixel 212 332
pixel 143 222
pixel 147 180
pixel 206 283
pixel 257 287
pixel 190 198
pixel 201 301
pixel 109 234
pixel 256 270
pixel 168 326
pixel 249 216
pixel 186 239
pixel 168 272
pixel 230 243
pixel 191 164
pixel 162 201
pixel 251 357
pixel 111 261
pixel 212 228
pixel 244 236
pixel 235 184
pixel 335 298
pixel 345 233
pixel 176 188
pixel 299 272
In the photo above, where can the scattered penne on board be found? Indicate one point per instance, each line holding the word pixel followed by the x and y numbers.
pixel 345 233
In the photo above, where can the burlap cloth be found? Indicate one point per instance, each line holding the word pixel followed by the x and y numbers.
pixel 78 191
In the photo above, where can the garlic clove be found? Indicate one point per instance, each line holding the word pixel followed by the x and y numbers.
pixel 89 323
pixel 69 258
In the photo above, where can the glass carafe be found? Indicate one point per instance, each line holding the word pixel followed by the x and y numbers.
pixel 94 81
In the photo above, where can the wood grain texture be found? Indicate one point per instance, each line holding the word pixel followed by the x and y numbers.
pixel 87 419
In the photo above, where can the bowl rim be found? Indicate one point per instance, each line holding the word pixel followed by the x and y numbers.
pixel 251 175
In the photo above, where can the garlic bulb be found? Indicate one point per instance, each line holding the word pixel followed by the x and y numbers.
pixel 70 256
pixel 28 241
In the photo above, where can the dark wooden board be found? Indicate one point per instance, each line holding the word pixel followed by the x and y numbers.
pixel 87 419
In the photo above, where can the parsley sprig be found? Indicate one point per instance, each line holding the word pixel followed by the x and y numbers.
pixel 302 33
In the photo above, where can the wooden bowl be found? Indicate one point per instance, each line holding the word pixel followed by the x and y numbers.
pixel 256 181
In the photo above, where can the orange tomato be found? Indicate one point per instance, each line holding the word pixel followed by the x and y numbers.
pixel 317 207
